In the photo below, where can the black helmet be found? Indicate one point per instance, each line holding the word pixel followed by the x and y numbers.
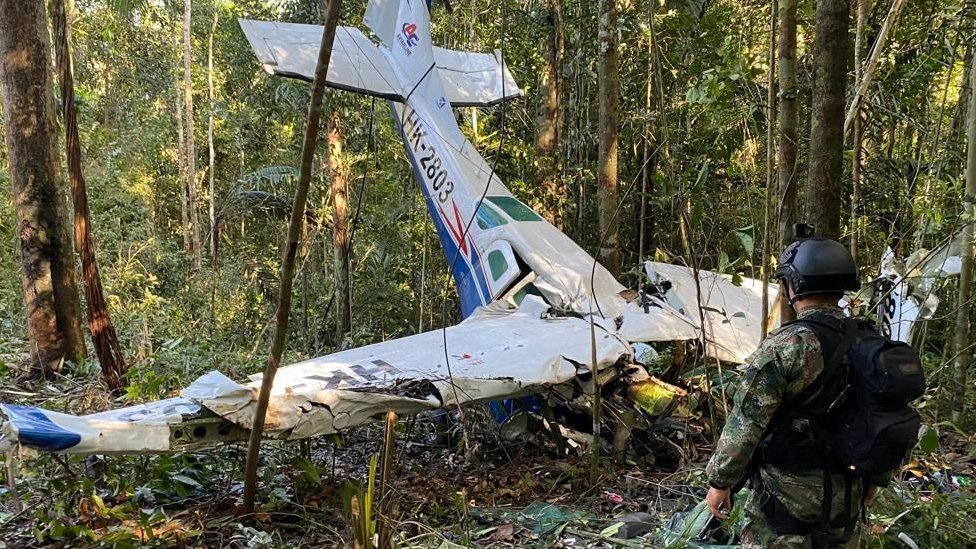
pixel 817 266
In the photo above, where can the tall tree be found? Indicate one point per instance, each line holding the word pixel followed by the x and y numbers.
pixel 862 16
pixel 47 263
pixel 961 116
pixel 608 76
pixel 548 125
pixel 100 325
pixel 771 87
pixel 181 162
pixel 645 208
pixel 963 345
pixel 211 153
pixel 296 226
pixel 788 118
pixel 340 223
pixel 191 162
pixel 826 169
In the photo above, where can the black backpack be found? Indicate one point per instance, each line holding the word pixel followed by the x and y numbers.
pixel 856 417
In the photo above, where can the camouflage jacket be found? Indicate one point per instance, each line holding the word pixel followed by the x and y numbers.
pixel 787 362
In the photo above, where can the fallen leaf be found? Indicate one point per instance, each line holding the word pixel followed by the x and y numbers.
pixel 505 532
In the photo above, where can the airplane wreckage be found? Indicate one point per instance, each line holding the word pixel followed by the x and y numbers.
pixel 537 308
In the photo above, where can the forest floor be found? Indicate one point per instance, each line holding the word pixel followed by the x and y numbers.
pixel 506 491
pixel 519 492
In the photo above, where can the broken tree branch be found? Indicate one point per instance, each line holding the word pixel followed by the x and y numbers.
pixel 871 65
pixel 295 228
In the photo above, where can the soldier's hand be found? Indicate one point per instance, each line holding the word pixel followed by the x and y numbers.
pixel 719 502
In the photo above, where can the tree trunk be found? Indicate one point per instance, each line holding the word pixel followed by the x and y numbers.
pixel 862 16
pixel 771 88
pixel 473 46
pixel 645 206
pixel 547 125
pixel 607 74
pixel 100 324
pixel 788 117
pixel 340 224
pixel 210 136
pixel 181 161
pixel 962 343
pixel 826 169
pixel 961 116
pixel 191 162
pixel 573 209
pixel 47 263
pixel 295 227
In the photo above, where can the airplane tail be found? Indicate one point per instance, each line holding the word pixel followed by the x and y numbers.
pixel 404 26
pixel 357 65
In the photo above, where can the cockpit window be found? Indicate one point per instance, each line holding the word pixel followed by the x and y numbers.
pixel 514 208
pixel 488 218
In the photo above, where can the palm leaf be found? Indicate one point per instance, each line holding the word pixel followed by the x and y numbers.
pixel 270 175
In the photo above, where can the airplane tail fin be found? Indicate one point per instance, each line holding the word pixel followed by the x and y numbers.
pixel 404 26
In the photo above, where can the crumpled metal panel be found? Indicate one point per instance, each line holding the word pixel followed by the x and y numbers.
pixel 732 314
pixel 495 354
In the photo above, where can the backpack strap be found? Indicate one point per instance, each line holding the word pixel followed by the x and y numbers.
pixel 826 505
pixel 835 337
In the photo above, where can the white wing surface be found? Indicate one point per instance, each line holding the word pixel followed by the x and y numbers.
pixel 494 355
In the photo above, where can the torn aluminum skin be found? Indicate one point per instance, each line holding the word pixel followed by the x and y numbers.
pixel 494 355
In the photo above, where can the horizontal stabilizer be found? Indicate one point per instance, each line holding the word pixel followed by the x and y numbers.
pixel 358 65
pixel 474 79
pixel 291 49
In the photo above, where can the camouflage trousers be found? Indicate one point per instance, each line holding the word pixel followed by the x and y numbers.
pixel 757 534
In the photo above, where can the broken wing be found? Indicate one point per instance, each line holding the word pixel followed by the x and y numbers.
pixel 494 355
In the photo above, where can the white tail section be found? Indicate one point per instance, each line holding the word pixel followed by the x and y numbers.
pixel 409 47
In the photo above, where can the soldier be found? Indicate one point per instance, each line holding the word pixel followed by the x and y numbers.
pixel 790 506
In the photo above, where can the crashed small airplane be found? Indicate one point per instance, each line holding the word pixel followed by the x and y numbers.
pixel 537 307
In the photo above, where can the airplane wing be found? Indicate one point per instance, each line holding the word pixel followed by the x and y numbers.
pixel 732 314
pixel 358 65
pixel 291 50
pixel 495 354
pixel 474 79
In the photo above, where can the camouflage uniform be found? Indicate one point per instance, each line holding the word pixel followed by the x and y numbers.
pixel 787 362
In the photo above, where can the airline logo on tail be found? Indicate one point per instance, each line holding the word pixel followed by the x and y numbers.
pixel 409 36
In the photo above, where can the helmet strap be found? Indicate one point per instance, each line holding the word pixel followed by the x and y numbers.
pixel 790 291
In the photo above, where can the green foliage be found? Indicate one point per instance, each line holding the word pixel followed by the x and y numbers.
pixel 358 505
pixel 930 519
pixel 175 324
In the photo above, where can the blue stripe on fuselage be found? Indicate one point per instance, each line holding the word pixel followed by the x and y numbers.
pixel 35 429
pixel 471 283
